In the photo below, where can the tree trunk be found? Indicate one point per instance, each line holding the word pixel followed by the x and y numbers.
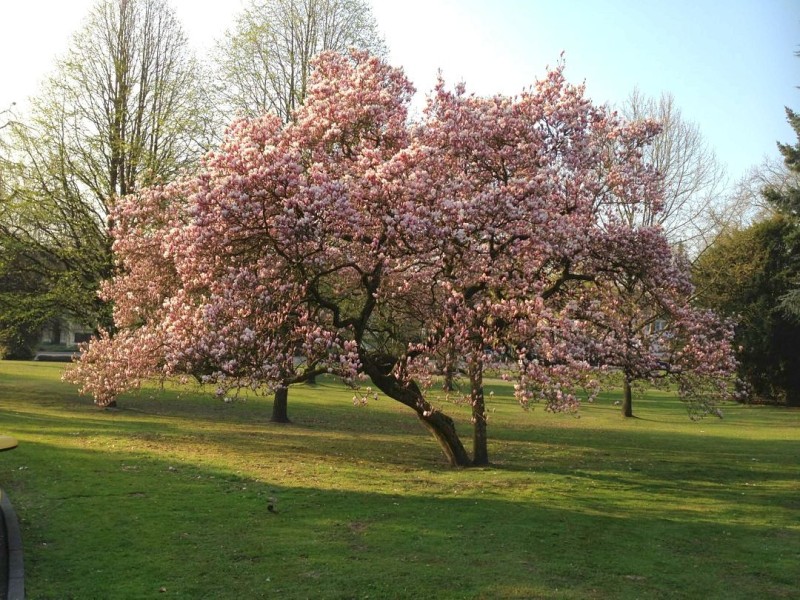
pixel 449 369
pixel 447 384
pixel 443 429
pixel 627 400
pixel 280 411
pixel 479 447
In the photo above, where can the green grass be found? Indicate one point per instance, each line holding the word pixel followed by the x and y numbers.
pixel 171 491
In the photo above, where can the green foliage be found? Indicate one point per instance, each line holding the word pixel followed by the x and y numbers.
pixel 173 492
pixel 263 63
pixel 745 274
pixel 787 201
pixel 123 109
pixel 17 340
pixel 48 268
pixel 754 274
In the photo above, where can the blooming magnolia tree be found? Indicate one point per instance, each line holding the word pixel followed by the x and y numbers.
pixel 522 187
pixel 642 324
pixel 353 242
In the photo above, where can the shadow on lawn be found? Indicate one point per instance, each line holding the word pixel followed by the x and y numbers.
pixel 655 463
pixel 135 431
pixel 324 431
pixel 96 524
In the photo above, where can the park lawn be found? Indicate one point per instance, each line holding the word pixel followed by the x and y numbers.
pixel 168 497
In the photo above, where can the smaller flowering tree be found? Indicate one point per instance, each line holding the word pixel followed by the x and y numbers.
pixel 643 324
pixel 184 304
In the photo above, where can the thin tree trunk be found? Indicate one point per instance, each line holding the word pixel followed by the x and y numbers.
pixel 449 369
pixel 280 410
pixel 627 399
pixel 480 450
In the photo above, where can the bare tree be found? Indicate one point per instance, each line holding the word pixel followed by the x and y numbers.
pixel 694 180
pixel 263 63
pixel 123 109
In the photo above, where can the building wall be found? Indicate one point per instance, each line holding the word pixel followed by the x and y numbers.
pixel 66 332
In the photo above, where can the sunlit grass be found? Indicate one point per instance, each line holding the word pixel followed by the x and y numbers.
pixel 172 492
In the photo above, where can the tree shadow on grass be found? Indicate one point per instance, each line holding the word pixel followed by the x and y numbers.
pixel 332 432
pixel 97 524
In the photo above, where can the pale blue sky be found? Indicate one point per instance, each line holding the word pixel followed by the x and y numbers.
pixel 729 63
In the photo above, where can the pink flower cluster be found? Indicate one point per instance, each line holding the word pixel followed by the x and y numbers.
pixel 353 241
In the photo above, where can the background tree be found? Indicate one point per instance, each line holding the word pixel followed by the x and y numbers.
pixel 650 331
pixel 30 296
pixel 691 213
pixel 122 110
pixel 263 64
pixel 693 194
pixel 753 273
pixel 26 290
pixel 786 199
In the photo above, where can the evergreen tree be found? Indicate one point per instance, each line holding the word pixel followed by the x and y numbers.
pixel 753 273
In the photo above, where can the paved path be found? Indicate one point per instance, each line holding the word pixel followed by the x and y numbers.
pixel 55 356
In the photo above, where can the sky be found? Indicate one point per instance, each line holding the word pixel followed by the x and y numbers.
pixel 730 65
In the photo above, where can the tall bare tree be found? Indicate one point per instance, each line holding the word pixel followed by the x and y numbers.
pixel 263 63
pixel 123 109
pixel 693 178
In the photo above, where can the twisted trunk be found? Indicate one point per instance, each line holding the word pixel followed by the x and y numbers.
pixel 441 426
pixel 443 429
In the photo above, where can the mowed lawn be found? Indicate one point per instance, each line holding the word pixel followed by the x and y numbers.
pixel 168 497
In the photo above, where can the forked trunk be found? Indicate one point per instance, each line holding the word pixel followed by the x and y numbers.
pixel 627 398
pixel 280 406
